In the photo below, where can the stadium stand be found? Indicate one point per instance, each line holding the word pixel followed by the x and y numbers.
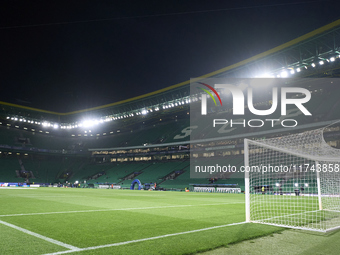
pixel 152 137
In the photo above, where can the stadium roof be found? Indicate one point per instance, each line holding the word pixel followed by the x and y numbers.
pixel 305 51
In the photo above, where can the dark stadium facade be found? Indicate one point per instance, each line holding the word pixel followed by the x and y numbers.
pixel 152 137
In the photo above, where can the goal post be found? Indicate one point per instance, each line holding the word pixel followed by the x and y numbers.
pixel 246 180
pixel 293 181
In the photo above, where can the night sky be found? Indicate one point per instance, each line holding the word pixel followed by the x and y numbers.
pixel 69 55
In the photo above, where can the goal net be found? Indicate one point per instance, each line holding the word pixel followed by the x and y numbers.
pixel 293 181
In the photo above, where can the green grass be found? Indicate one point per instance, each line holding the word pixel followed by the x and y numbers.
pixel 99 217
pixel 286 242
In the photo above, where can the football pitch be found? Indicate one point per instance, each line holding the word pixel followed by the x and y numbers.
pixel 94 221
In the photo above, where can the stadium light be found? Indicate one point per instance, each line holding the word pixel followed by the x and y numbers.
pixel 298 69
pixel 284 74
pixel 144 112
pixel 265 75
pixel 332 59
pixel 296 185
pixel 46 124
pixel 89 123
pixel 321 62
pixel 313 65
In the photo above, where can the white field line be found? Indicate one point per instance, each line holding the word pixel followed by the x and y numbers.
pixel 73 248
pixel 116 209
pixel 39 196
pixel 144 239
pixel 285 215
pixel 16 188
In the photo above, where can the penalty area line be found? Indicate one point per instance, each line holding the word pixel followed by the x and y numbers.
pixel 115 209
pixel 68 246
pixel 145 239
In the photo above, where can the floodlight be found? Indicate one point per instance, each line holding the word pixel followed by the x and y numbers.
pixel 313 65
pixel 292 71
pixel 88 123
pixel 296 185
pixel 332 59
pixel 321 62
pixel 144 112
pixel 265 75
pixel 55 126
pixel 284 74
pixel 298 69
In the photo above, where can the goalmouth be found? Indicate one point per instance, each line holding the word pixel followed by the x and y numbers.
pixel 293 181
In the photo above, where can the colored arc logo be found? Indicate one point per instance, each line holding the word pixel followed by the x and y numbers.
pixel 213 90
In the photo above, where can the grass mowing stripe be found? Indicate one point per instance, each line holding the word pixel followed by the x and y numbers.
pixel 116 209
pixel 144 239
pixel 73 248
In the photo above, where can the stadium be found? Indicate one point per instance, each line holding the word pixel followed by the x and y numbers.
pixel 120 178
